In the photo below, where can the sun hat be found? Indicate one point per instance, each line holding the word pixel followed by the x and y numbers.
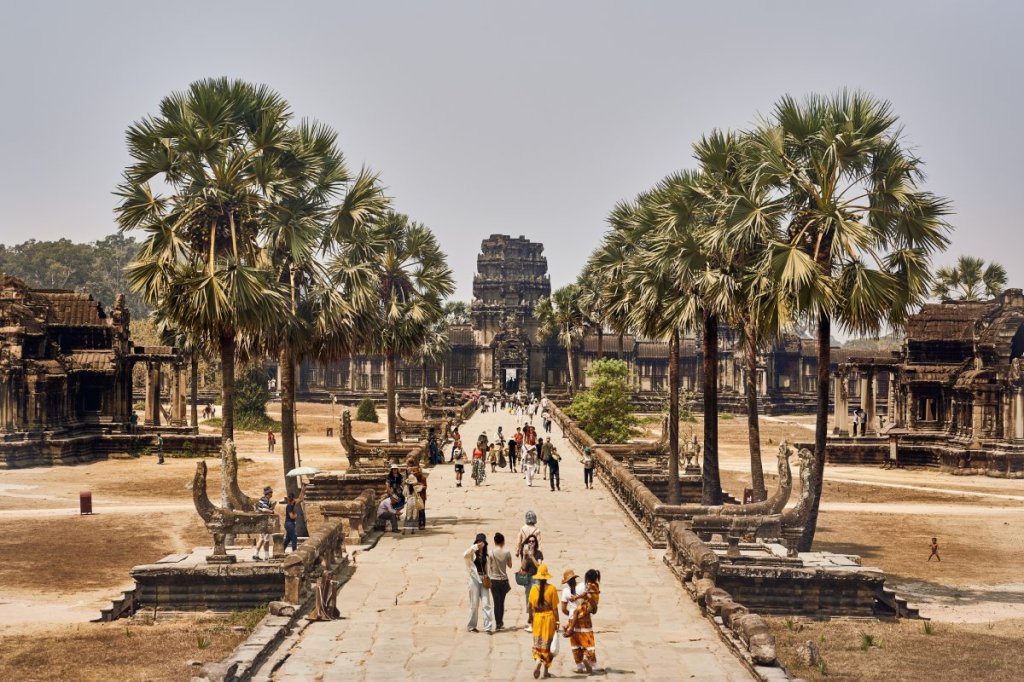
pixel 567 575
pixel 542 573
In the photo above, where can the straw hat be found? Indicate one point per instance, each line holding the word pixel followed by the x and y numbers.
pixel 567 575
pixel 542 573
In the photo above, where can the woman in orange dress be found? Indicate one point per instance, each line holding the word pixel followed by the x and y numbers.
pixel 580 628
pixel 544 609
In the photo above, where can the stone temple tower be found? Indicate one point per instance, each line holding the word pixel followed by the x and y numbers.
pixel 512 275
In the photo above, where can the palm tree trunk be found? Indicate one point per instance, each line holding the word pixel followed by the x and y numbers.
pixel 286 360
pixel 227 409
pixel 820 431
pixel 195 389
pixel 753 423
pixel 712 488
pixel 389 390
pixel 572 369
pixel 600 342
pixel 674 490
pixel 227 388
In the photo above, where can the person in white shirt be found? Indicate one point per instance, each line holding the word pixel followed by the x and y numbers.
pixel 387 512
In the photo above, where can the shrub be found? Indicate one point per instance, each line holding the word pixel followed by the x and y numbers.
pixel 603 410
pixel 251 395
pixel 367 411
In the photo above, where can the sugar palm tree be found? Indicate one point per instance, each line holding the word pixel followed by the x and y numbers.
pixel 221 153
pixel 858 232
pixel 745 221
pixel 561 315
pixel 591 285
pixel 302 226
pixel 969 280
pixel 396 277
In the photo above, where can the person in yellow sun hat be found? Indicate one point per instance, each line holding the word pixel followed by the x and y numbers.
pixel 544 609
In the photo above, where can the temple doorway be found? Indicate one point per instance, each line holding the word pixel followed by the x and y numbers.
pixel 511 377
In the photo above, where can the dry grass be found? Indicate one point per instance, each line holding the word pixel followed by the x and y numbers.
pixel 71 554
pixel 121 650
pixel 903 652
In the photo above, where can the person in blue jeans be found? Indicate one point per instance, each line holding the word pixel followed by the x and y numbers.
pixel 291 515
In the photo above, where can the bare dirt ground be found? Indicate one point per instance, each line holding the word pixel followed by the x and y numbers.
pixel 863 651
pixel 123 650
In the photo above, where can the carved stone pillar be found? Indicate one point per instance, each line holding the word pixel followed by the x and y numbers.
pixel 867 402
pixel 842 410
pixel 152 416
pixel 1018 413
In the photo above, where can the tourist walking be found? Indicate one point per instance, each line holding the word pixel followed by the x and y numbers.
pixel 394 484
pixel 529 528
pixel 479 584
pixel 479 469
pixel 513 454
pixel 572 595
pixel 543 604
pixel 388 512
pixel 159 448
pixel 531 559
pixel 265 505
pixel 456 443
pixel 545 456
pixel 497 571
pixel 412 506
pixel 580 628
pixel 530 464
pixel 935 550
pixel 587 460
pixel 271 441
pixel 291 517
pixel 459 457
pixel 435 456
pixel 492 456
pixel 553 468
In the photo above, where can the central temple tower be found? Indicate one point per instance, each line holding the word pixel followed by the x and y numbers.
pixel 512 275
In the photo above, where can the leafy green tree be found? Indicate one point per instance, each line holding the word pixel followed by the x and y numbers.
pixel 858 232
pixel 367 411
pixel 969 280
pixel 604 410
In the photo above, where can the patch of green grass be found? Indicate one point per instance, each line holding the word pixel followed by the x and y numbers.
pixel 867 641
pixel 928 628
pixel 248 619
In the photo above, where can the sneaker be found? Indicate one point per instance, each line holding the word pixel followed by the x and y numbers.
pixel 256 557
pixel 473 630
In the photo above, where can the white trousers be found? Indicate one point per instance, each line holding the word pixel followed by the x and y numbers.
pixel 478 594
pixel 529 471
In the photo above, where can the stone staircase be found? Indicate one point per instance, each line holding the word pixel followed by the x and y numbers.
pixel 888 604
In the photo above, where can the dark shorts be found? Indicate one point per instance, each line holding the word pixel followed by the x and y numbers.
pixel 459 469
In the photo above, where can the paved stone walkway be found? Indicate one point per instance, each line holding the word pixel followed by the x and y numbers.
pixel 406 607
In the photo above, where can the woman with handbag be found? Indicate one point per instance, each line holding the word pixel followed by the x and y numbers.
pixel 479 584
pixel 543 604
pixel 531 558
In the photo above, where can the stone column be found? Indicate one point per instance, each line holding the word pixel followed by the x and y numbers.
pixel 977 416
pixel 891 411
pixel 762 379
pixel 176 395
pixel 152 416
pixel 867 401
pixel 842 409
pixel 1018 413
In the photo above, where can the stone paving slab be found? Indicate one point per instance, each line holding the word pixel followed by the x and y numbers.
pixel 406 607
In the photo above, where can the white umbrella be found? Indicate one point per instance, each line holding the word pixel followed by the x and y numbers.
pixel 302 471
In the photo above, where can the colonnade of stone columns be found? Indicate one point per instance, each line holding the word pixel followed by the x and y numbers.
pixel 177 399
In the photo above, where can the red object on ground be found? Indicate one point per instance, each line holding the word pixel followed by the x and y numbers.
pixel 85 502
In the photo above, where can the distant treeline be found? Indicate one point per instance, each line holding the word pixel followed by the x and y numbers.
pixel 96 267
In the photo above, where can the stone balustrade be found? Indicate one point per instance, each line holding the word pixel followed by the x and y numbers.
pixel 357 516
pixel 322 551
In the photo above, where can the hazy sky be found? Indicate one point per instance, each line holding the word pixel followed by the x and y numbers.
pixel 527 118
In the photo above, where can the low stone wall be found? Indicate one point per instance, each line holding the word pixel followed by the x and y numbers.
pixel 698 568
pixel 998 460
pixel 207 587
pixel 357 516
pixel 18 451
pixel 324 550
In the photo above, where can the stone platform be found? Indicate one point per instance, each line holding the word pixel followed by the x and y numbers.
pixel 186 582
pixel 812 584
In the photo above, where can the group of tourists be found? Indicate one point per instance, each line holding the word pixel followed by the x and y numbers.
pixel 405 497
pixel 266 505
pixel 489 584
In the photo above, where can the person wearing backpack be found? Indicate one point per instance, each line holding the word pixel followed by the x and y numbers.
pixel 555 478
